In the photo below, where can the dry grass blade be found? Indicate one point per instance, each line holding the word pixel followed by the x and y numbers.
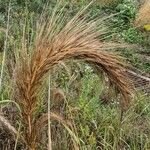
pixel 43 120
pixel 55 42
pixel 7 124
pixel 49 119
pixel 5 49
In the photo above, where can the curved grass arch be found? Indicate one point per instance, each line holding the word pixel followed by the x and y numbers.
pixel 78 39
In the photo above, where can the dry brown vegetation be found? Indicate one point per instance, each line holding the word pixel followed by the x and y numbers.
pixel 143 16
pixel 63 85
pixel 55 42
pixel 77 40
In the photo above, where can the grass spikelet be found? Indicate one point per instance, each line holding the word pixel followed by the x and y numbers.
pixel 57 41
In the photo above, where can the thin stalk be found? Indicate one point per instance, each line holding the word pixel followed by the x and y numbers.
pixel 5 48
pixel 17 138
pixel 49 121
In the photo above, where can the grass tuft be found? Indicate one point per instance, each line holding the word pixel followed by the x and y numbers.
pixel 57 41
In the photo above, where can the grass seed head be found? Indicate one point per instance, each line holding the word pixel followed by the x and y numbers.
pixel 57 41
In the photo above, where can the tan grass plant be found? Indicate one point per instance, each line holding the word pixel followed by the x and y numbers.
pixel 55 42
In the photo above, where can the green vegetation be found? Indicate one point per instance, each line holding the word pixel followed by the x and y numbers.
pixel 62 85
